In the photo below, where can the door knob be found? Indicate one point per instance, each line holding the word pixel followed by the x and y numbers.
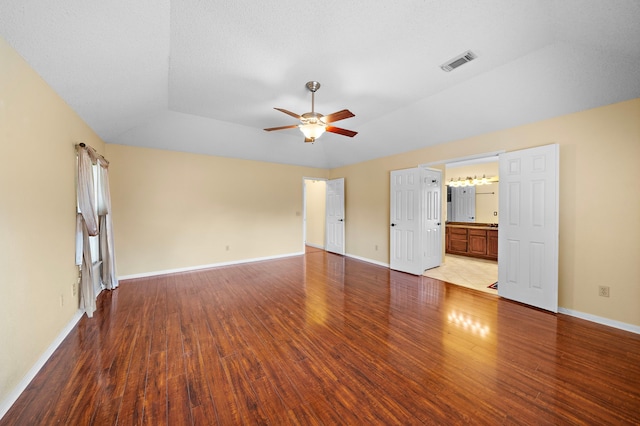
pixel 393 224
pixel 340 220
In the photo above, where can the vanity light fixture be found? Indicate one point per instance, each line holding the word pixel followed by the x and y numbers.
pixel 472 181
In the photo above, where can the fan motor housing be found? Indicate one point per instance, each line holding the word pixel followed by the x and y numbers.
pixel 312 118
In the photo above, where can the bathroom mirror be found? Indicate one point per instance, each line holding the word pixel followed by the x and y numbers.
pixel 472 203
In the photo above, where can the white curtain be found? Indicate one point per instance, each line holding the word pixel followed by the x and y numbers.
pixel 107 251
pixel 87 223
pixel 93 220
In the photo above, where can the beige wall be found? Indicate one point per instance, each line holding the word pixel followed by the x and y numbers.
pixel 599 202
pixel 38 132
pixel 316 211
pixel 175 210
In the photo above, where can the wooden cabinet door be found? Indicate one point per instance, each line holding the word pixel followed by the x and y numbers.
pixel 458 240
pixel 478 241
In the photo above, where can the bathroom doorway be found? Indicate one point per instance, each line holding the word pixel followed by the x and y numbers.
pixel 472 194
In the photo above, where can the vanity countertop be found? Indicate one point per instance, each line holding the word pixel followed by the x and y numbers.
pixel 486 226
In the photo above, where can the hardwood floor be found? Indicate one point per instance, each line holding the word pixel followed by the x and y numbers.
pixel 323 339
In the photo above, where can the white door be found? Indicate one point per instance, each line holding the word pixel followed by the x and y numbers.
pixel 335 216
pixel 528 236
pixel 405 253
pixel 431 211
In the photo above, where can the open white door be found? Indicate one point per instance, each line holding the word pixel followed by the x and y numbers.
pixel 335 216
pixel 405 253
pixel 430 213
pixel 528 236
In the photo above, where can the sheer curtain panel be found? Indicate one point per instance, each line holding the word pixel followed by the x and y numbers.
pixel 107 251
pixel 94 219
pixel 88 221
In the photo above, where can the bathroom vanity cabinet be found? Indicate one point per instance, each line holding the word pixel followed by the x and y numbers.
pixel 474 240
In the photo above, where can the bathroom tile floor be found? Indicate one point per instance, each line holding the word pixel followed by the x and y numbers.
pixel 467 272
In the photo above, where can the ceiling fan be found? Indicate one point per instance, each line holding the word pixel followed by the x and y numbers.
pixel 314 124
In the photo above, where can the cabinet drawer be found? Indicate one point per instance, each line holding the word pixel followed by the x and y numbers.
pixel 480 232
pixel 458 245
pixel 458 230
pixel 458 234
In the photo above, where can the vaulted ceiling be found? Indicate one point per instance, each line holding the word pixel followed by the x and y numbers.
pixel 204 76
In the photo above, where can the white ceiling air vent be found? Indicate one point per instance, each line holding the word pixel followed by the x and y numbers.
pixel 458 60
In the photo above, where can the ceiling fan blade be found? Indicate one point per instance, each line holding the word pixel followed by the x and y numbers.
pixel 293 114
pixel 281 127
pixel 343 132
pixel 337 116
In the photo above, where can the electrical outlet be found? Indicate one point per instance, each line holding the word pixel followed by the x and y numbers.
pixel 227 248
pixel 376 247
pixel 603 291
pixel 61 300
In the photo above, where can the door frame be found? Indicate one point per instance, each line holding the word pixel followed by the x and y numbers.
pixel 304 210
pixel 467 158
pixel 305 213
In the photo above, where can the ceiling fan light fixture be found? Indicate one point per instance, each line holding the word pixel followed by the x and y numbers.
pixel 313 124
pixel 312 130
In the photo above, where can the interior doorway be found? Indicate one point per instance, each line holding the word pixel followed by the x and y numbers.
pixel 314 212
pixel 324 214
pixel 470 201
pixel 526 243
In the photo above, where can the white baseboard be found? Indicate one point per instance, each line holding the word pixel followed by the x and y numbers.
pixel 237 262
pixel 364 259
pixel 13 396
pixel 600 320
pixel 212 265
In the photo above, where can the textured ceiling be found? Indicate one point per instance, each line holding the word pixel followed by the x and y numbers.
pixel 204 76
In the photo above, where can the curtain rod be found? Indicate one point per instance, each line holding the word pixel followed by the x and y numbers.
pixel 94 152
